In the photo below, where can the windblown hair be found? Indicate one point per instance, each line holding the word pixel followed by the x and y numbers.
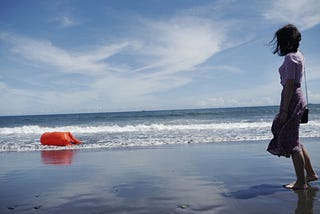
pixel 286 40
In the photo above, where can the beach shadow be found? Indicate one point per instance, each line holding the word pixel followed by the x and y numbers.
pixel 255 191
pixel 57 157
pixel 305 200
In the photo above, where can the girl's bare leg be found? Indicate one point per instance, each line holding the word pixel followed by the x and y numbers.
pixel 299 165
pixel 311 174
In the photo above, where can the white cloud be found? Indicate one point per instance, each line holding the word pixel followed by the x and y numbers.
pixel 44 53
pixel 222 68
pixel 303 13
pixel 171 46
pixel 181 43
pixel 64 21
pixel 3 86
pixel 166 55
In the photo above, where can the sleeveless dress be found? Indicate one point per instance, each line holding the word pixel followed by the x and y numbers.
pixel 285 141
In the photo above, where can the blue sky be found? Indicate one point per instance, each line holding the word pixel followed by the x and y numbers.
pixel 73 56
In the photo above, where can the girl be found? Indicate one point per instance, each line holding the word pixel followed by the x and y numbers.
pixel 285 127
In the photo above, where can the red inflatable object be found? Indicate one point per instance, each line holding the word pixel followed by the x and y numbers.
pixel 58 139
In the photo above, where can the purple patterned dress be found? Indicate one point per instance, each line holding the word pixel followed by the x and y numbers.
pixel 285 140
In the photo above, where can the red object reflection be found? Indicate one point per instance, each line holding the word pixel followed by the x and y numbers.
pixel 57 157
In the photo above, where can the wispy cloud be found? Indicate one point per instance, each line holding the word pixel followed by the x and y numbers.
pixel 44 53
pixel 64 21
pixel 167 52
pixel 219 69
pixel 3 86
pixel 304 13
pixel 181 42
pixel 171 46
pixel 161 55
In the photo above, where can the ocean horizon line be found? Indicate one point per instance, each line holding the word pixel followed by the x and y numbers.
pixel 141 110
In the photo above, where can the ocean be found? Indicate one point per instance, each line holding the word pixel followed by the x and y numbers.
pixel 148 128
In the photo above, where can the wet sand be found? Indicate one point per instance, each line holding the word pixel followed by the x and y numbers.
pixel 229 177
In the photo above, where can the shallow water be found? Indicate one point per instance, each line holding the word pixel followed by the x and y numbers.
pixel 219 178
pixel 148 128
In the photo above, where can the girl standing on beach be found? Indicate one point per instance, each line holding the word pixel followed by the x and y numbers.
pixel 285 127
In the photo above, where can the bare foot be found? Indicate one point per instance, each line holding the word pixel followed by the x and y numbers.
pixel 295 186
pixel 312 178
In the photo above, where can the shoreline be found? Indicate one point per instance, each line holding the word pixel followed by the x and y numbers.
pixel 192 178
pixel 125 147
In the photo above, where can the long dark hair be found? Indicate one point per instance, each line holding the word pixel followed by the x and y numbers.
pixel 286 40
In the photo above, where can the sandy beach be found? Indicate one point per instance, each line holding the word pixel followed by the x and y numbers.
pixel 238 177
